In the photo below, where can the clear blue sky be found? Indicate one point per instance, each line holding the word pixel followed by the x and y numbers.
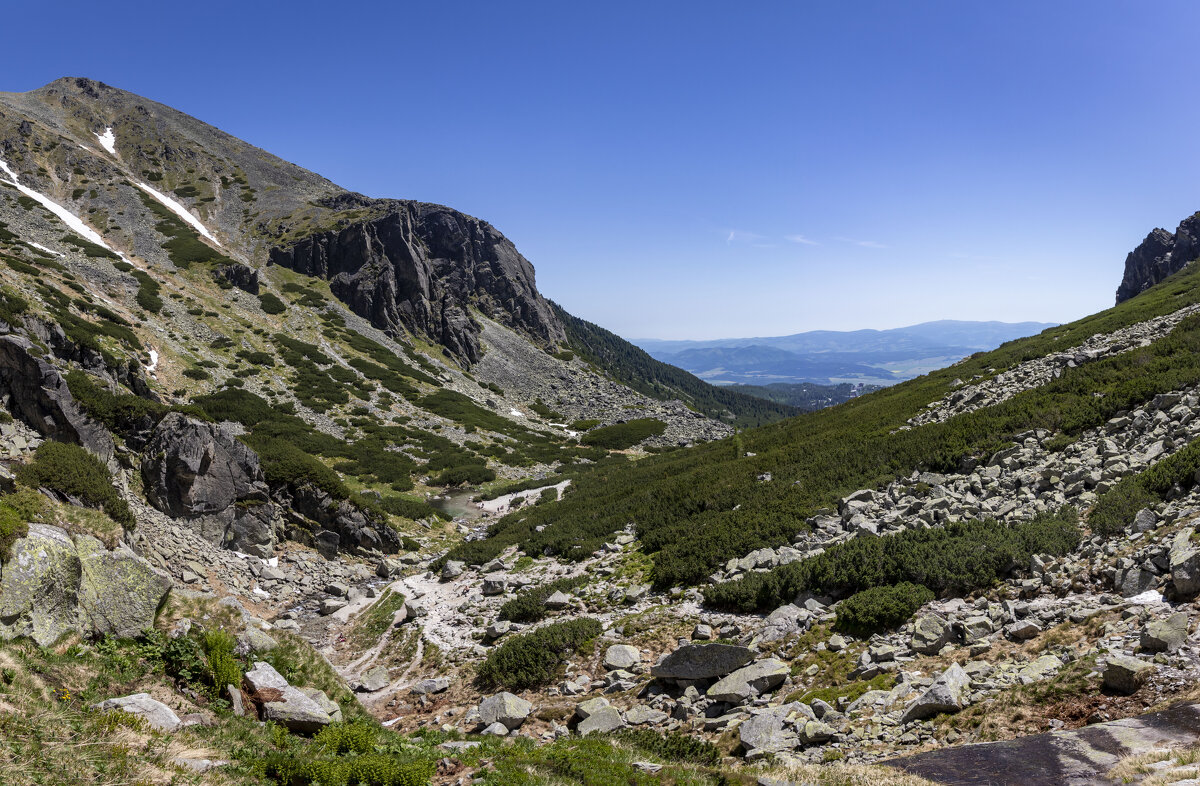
pixel 700 169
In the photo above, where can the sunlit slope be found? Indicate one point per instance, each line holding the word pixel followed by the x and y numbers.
pixel 695 509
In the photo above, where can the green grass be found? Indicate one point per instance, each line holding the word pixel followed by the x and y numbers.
pixel 371 624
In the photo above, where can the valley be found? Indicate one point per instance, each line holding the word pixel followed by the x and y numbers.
pixel 305 487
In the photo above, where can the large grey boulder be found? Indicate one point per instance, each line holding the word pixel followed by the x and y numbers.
pixel 154 712
pixel 1134 581
pixel 930 634
pixel 54 583
pixel 505 708
pixel 376 679
pixel 750 681
pixel 1124 674
pixel 1166 635
pixel 1185 564
pixel 280 702
pixel 948 693
pixel 770 731
pixel 606 718
pixel 621 656
pixel 702 661
pixel 40 397
pixel 331 707
pixel 199 472
pixel 785 621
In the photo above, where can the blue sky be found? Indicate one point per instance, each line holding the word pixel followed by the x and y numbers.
pixel 702 170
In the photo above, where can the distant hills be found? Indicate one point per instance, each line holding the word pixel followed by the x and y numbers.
pixel 830 357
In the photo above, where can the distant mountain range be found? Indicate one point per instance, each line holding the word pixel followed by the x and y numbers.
pixel 830 357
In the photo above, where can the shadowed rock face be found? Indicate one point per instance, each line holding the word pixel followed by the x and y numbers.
pixel 1160 255
pixel 420 267
pixel 1062 758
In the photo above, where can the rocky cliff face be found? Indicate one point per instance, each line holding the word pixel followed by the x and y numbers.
pixel 1160 255
pixel 421 267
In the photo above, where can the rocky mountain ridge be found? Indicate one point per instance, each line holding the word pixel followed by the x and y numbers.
pixel 1160 255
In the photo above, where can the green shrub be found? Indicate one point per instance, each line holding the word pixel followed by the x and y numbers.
pixel 958 558
pixel 585 424
pixel 471 474
pixel 1116 508
pixel 530 605
pixel 271 303
pixel 72 470
pixel 223 667
pixel 195 373
pixel 534 658
pixel 371 769
pixel 147 294
pixel 624 435
pixel 120 412
pixel 880 608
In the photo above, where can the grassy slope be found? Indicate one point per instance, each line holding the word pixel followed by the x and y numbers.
pixel 696 508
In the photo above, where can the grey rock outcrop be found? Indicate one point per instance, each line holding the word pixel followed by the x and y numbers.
pixel 750 681
pixel 54 583
pixel 197 471
pixel 1158 256
pixel 158 715
pixel 505 708
pixel 1166 635
pixel 702 661
pixel 40 397
pixel 948 693
pixel 421 267
pixel 281 702
pixel 1124 674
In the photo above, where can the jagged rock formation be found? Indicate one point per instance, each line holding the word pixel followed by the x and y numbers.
pixel 422 267
pixel 198 472
pixel 1158 256
pixel 37 392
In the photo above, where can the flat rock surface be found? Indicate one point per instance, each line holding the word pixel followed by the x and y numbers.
pixel 1059 758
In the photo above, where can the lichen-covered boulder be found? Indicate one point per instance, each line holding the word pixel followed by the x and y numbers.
pixel 54 583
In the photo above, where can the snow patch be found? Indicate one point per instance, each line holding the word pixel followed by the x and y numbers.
pixel 178 210
pixel 108 141
pixel 66 216
pixel 516 413
pixel 153 362
pixel 1146 598
pixel 261 592
pixel 40 247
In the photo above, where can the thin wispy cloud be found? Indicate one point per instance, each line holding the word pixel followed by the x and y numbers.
pixel 801 239
pixel 741 236
pixel 861 243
